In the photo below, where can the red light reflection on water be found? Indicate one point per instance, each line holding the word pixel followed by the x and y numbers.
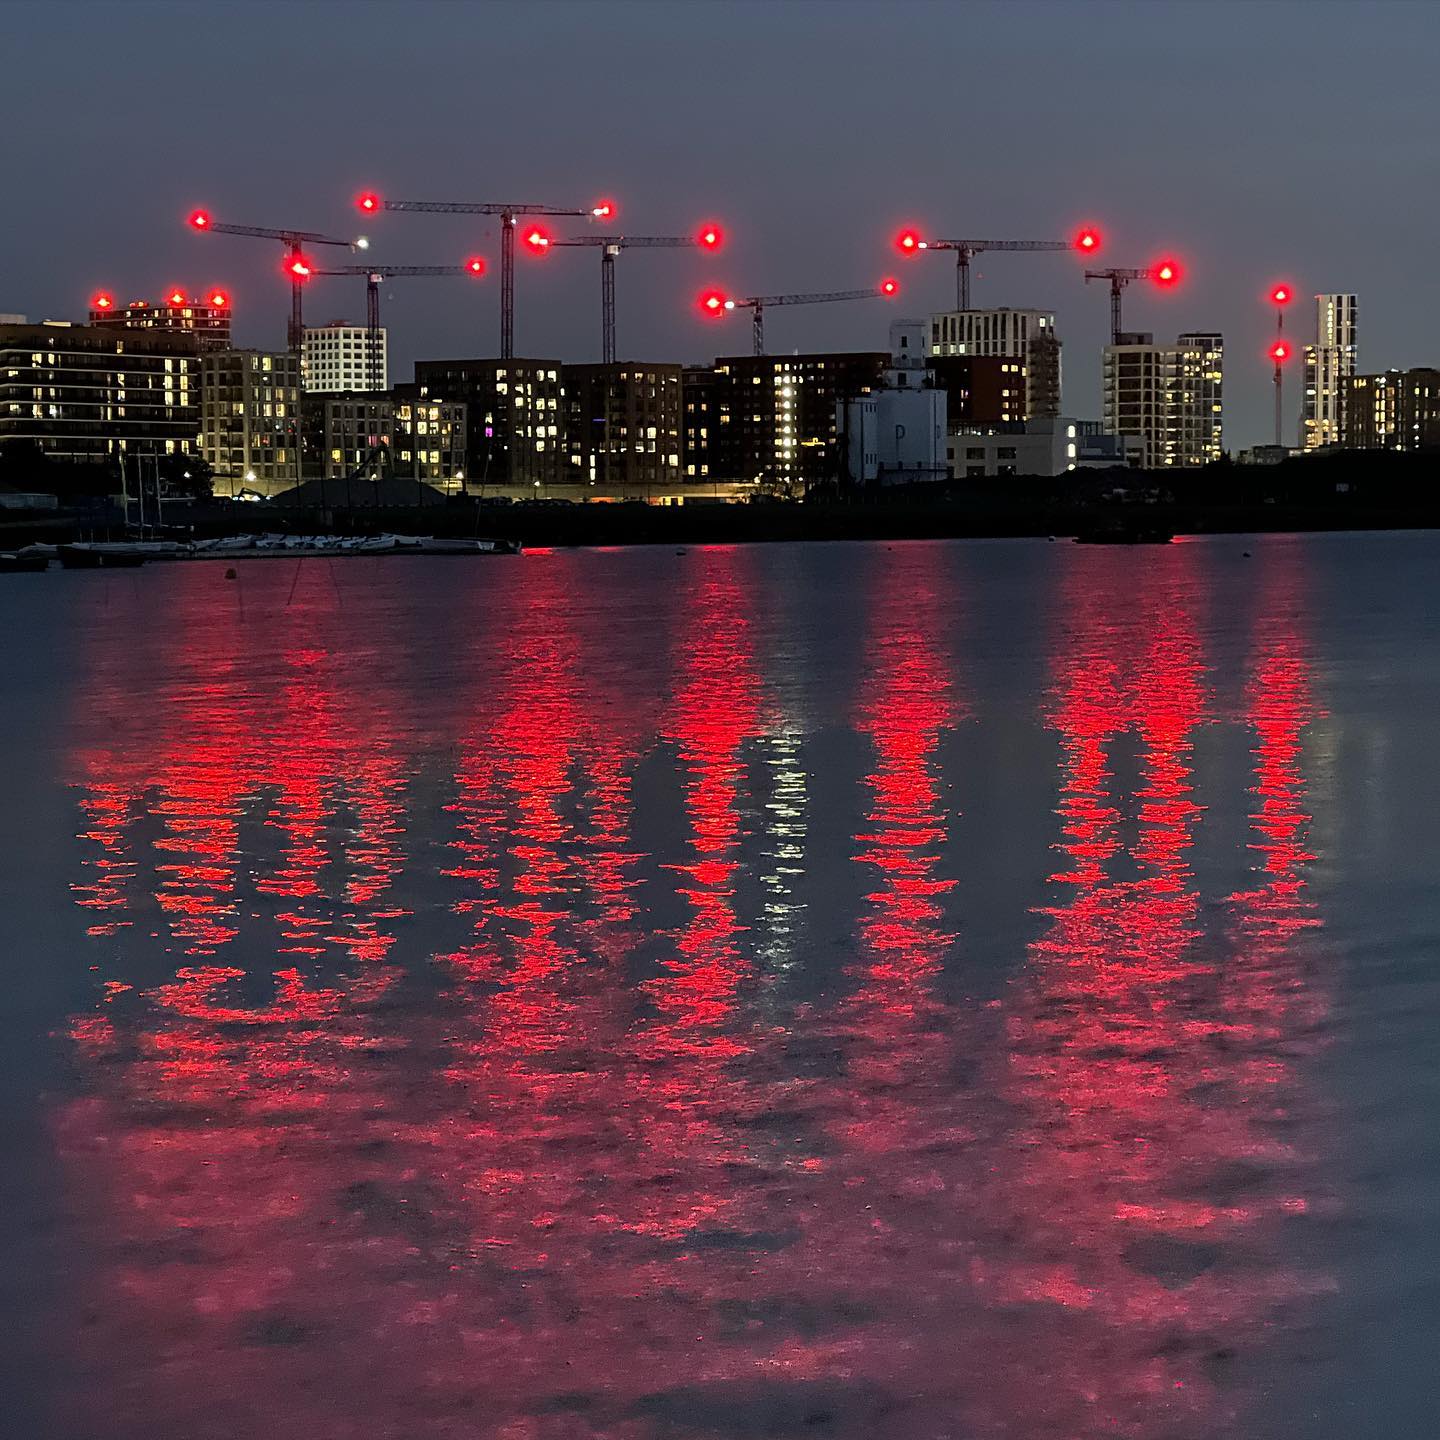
pixel 906 705
pixel 563 1159
pixel 1146 1172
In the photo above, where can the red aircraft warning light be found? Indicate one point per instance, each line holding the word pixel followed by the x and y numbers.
pixel 1167 272
pixel 200 219
pixel 1281 295
pixel 103 302
pixel 475 265
pixel 889 287
pixel 537 239
pixel 177 297
pixel 298 266
pixel 1279 352
pixel 711 237
pixel 603 209
pixel 908 242
pixel 369 202
pixel 714 303
pixel 219 299
pixel 1087 240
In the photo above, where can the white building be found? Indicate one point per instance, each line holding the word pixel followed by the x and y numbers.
pixel 1024 335
pixel 1329 363
pixel 1170 396
pixel 1049 446
pixel 895 433
pixel 335 357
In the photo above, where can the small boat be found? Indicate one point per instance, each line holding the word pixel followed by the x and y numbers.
pixel 154 549
pixel 435 546
pixel 19 563
pixel 100 556
pixel 1123 532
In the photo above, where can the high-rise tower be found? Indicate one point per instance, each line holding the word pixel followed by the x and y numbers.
pixel 1329 363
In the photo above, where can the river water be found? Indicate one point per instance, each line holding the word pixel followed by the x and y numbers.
pixel 900 990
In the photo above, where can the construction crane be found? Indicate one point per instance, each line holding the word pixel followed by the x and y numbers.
pixel 509 214
pixel 708 237
pixel 297 268
pixel 1086 241
pixel 716 304
pixel 1163 272
pixel 374 278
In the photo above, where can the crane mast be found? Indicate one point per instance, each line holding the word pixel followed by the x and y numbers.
pixel 376 276
pixel 966 250
pixel 1087 241
pixel 1119 277
pixel 610 247
pixel 756 305
pixel 509 212
pixel 295 265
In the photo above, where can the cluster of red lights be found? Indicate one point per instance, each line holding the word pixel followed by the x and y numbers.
pixel 216 300
pixel 1280 296
pixel 716 303
pixel 910 242
pixel 1087 240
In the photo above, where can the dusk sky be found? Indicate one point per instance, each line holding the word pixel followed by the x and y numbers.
pixel 1255 141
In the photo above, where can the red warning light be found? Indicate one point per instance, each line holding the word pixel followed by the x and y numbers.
pixel 219 300
pixel 1167 272
pixel 603 209
pixel 177 297
pixel 475 265
pixel 713 303
pixel 299 267
pixel 369 202
pixel 889 287
pixel 1281 295
pixel 537 239
pixel 103 302
pixel 1087 240
pixel 711 237
pixel 200 219
pixel 908 242
pixel 1280 351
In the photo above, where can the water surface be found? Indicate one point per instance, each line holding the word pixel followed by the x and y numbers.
pixel 926 990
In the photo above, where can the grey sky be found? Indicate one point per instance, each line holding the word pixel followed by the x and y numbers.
pixel 1254 140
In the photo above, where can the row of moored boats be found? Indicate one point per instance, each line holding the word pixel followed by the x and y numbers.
pixel 126 554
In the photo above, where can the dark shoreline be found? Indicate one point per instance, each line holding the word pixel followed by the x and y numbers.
pixel 1346 491
pixel 607 525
